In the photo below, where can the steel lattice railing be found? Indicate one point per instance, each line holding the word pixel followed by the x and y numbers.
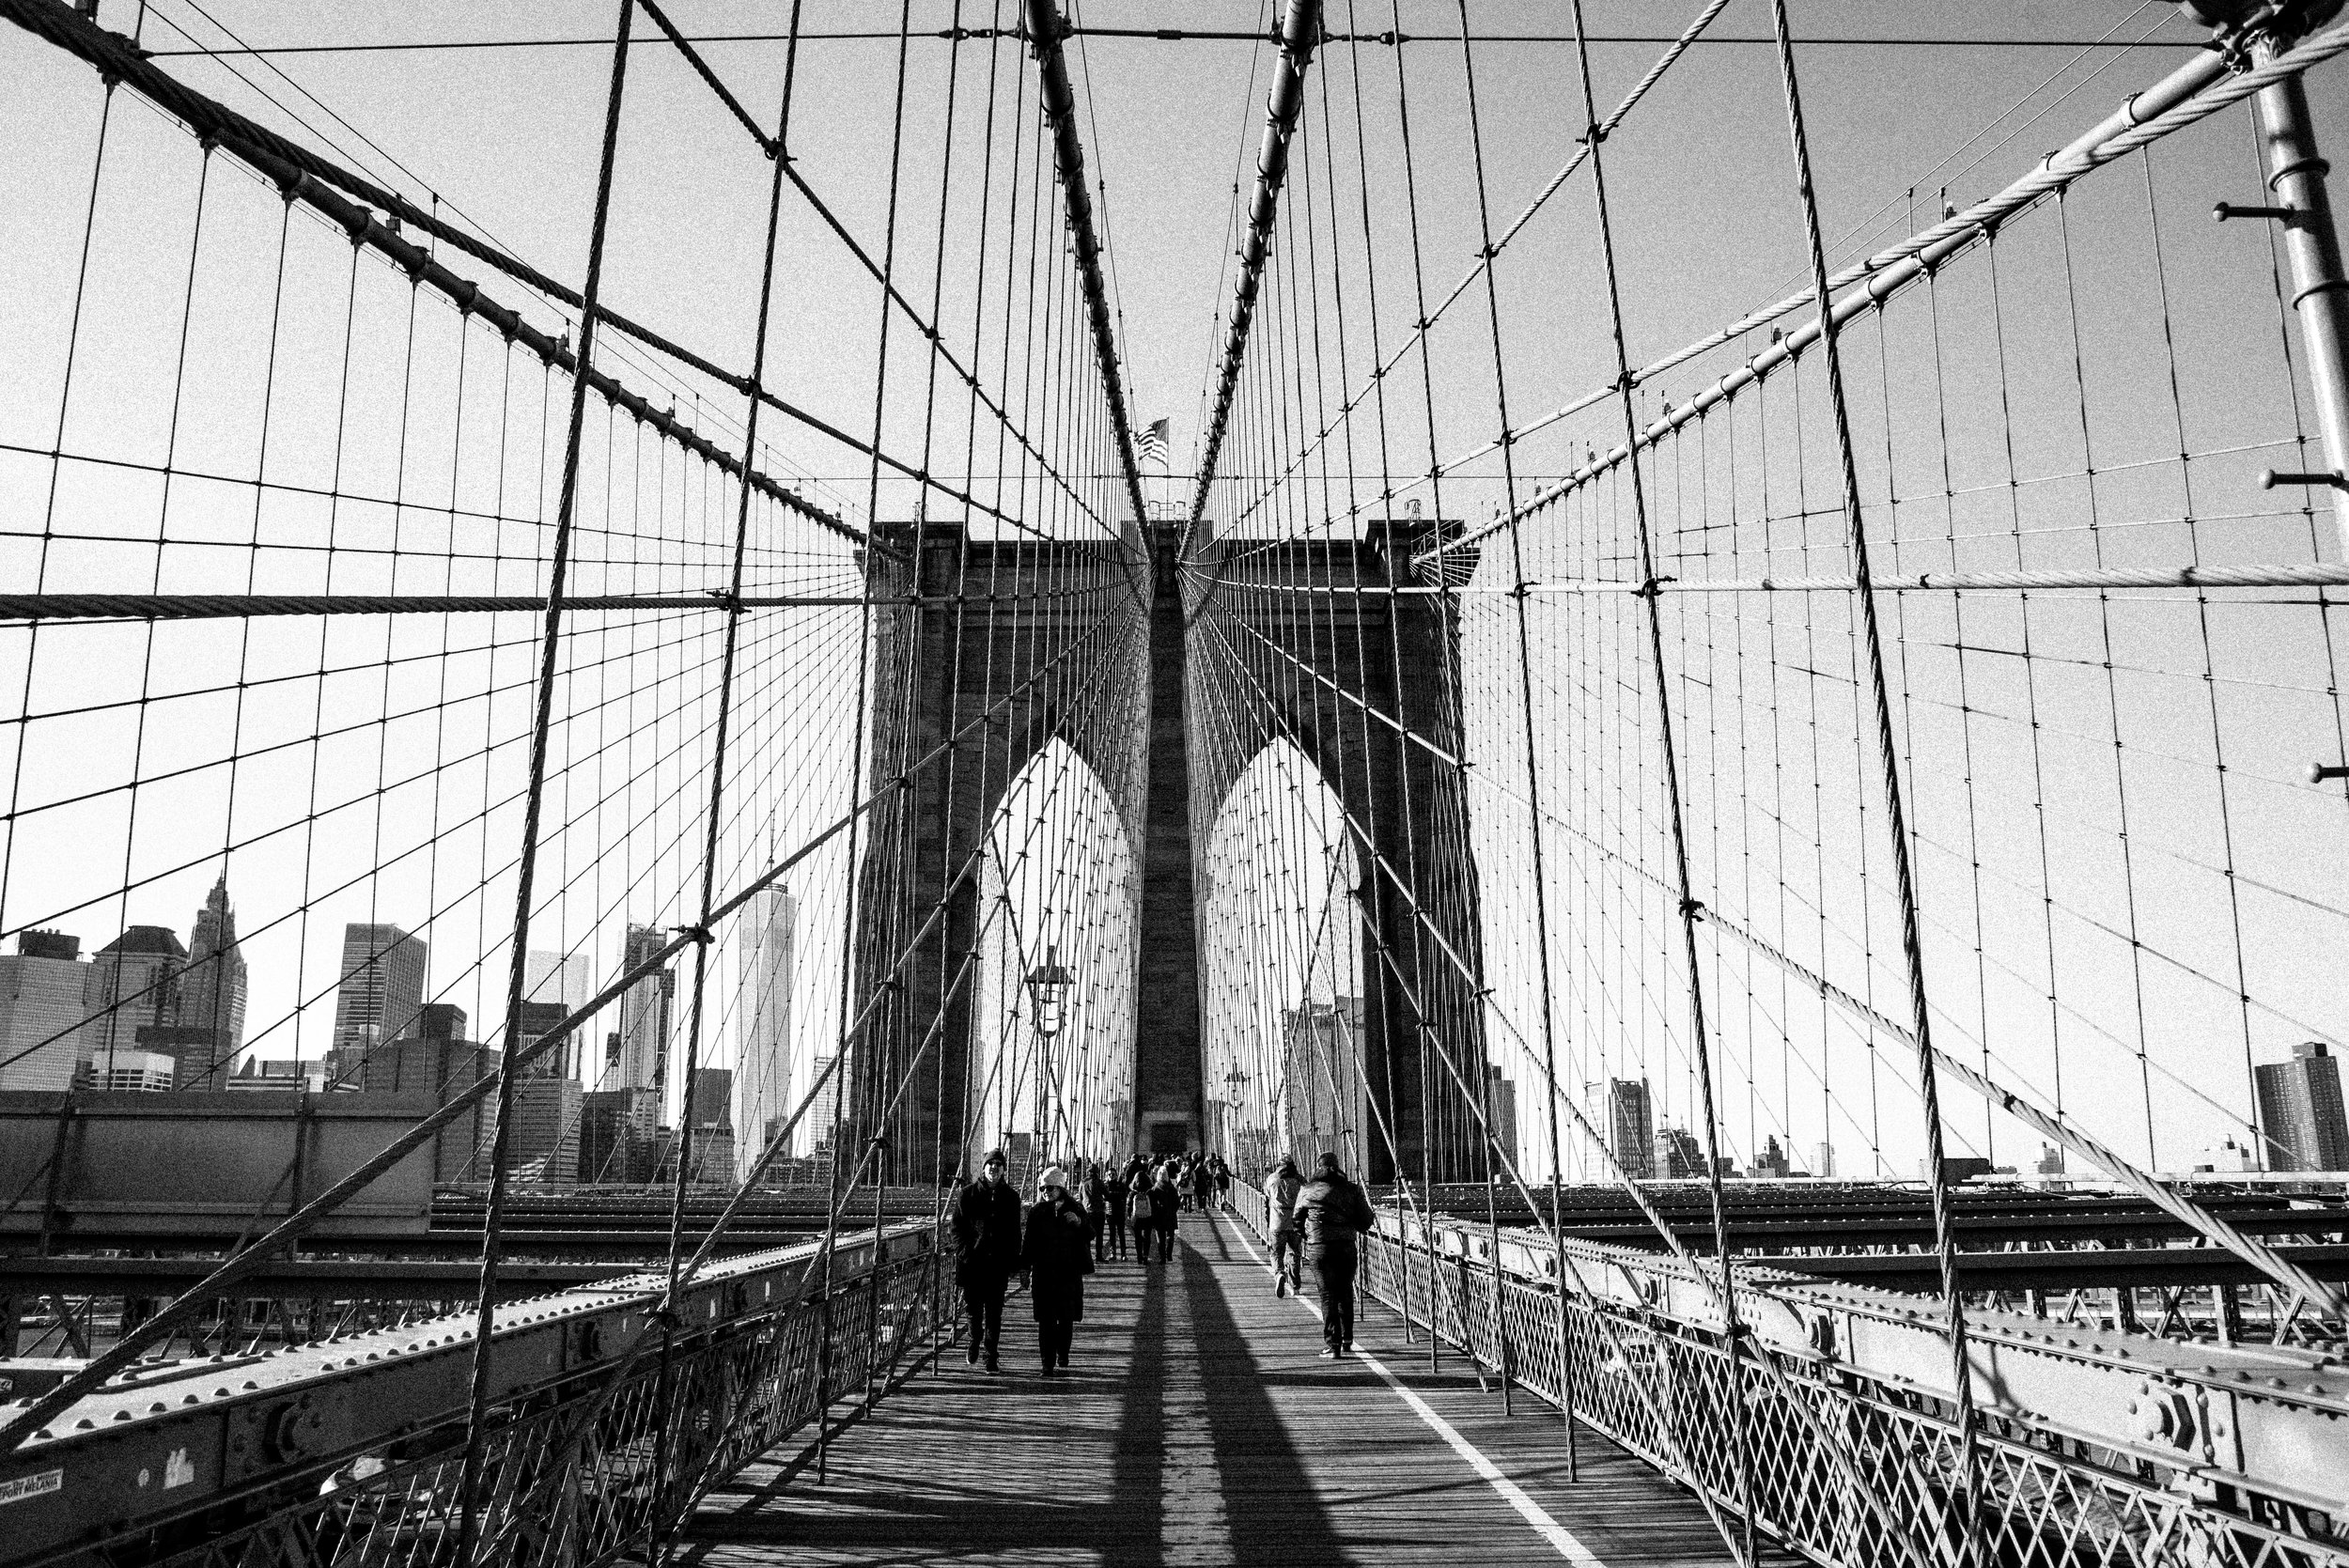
pixel 1817 1432
pixel 586 1473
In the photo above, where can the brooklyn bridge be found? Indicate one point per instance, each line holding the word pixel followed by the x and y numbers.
pixel 1722 685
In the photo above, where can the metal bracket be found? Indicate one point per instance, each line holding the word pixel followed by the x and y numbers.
pixel 2226 210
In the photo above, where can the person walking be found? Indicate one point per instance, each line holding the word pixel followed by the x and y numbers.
pixel 1223 1172
pixel 1202 1186
pixel 1118 1199
pixel 1168 1198
pixel 1096 1193
pixel 1057 1253
pixel 987 1252
pixel 1141 1193
pixel 1335 1211
pixel 1282 1187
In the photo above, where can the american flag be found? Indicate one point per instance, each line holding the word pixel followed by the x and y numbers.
pixel 1153 447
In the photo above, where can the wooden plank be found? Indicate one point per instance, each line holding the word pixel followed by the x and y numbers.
pixel 1198 1424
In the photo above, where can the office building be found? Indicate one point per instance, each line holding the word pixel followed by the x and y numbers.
pixel 816 1127
pixel 2050 1161
pixel 1677 1155
pixel 133 984
pixel 1500 1112
pixel 438 1064
pixel 139 1072
pixel 44 1043
pixel 646 1012
pixel 1631 1136
pixel 378 991
pixel 762 1007
pixel 2300 1110
pixel 1324 1105
pixel 618 1136
pixel 2228 1157
pixel 1823 1158
pixel 211 996
pixel 279 1074
pixel 713 1143
pixel 554 986
pixel 537 1019
pixel 561 977
pixel 544 1146
pixel 196 1060
pixel 1771 1164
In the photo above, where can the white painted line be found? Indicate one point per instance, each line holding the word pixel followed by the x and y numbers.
pixel 1561 1539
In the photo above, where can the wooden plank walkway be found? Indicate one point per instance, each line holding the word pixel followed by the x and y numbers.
pixel 1197 1424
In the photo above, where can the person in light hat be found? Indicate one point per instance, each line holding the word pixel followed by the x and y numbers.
pixel 1057 1253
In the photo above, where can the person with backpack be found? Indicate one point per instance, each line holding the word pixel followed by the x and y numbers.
pixel 1282 1187
pixel 1202 1186
pixel 1141 1193
pixel 1335 1212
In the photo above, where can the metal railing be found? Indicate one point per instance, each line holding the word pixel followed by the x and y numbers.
pixel 579 1470
pixel 1851 1461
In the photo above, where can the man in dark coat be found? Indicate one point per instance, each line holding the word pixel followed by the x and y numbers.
pixel 1057 1254
pixel 1334 1211
pixel 1120 1200
pixel 1096 1201
pixel 986 1252
pixel 1143 1196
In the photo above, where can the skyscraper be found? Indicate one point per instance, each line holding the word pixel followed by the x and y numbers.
pixel 1823 1159
pixel 2300 1108
pixel 44 1043
pixel 380 993
pixel 1323 1108
pixel 762 1010
pixel 435 1058
pixel 554 983
pixel 644 1018
pixel 1632 1125
pixel 211 996
pixel 1501 1111
pixel 817 1124
pixel 134 983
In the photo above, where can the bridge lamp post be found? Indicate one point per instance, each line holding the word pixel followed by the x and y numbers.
pixel 1231 1082
pixel 1048 984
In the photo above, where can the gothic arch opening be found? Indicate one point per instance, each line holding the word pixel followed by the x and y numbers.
pixel 1058 888
pixel 1280 939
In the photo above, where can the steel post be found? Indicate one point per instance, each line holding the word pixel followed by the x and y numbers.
pixel 2311 245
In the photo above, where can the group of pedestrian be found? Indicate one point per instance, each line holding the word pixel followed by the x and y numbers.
pixel 1318 1223
pixel 1071 1228
pixel 1048 1243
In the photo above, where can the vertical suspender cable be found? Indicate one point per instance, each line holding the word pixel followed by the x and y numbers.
pixel 1733 1331
pixel 548 655
pixel 1962 1503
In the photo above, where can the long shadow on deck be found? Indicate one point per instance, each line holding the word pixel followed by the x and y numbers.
pixel 969 1467
pixel 1274 1514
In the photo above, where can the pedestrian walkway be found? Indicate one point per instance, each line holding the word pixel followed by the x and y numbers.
pixel 1197 1424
